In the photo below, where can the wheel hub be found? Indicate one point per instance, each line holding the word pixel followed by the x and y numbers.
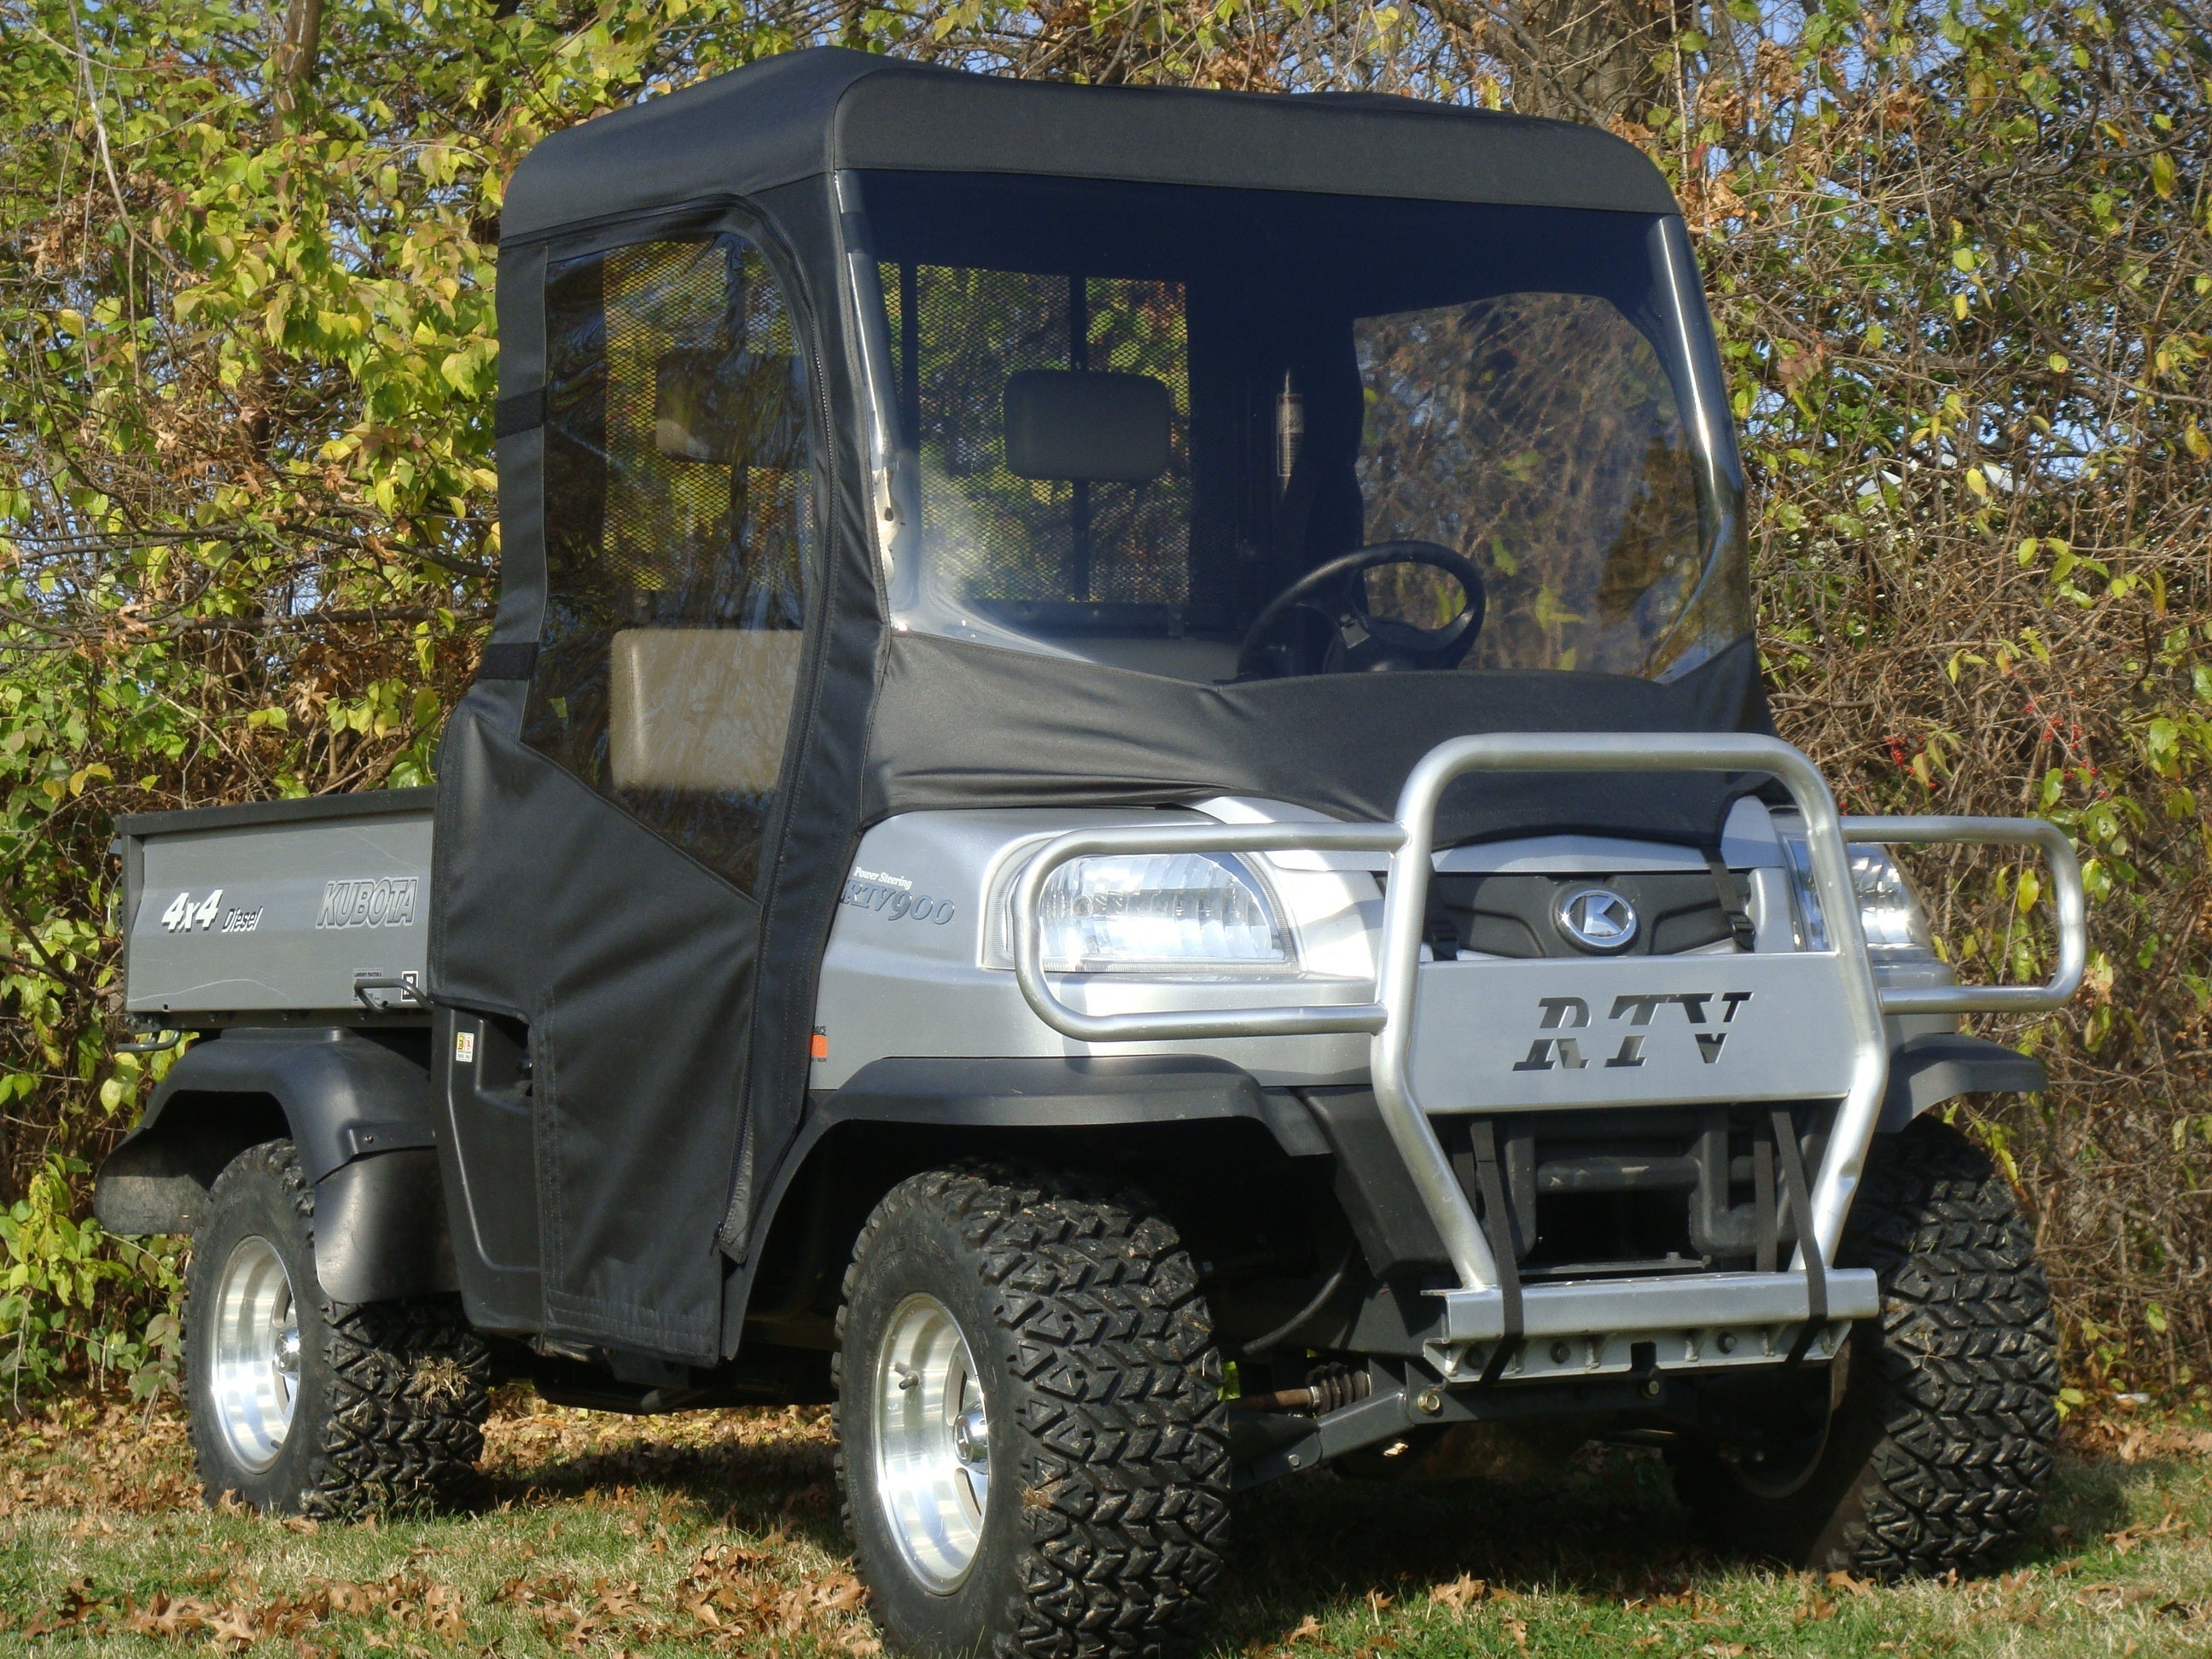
pixel 256 1369
pixel 932 1440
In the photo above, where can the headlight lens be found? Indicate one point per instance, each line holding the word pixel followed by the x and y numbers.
pixel 1167 912
pixel 1889 911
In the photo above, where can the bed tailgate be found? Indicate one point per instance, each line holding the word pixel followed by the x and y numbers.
pixel 280 906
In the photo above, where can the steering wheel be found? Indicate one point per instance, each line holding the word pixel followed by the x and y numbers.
pixel 1359 642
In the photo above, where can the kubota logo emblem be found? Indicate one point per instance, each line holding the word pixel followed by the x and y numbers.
pixel 1597 919
pixel 1704 1009
pixel 383 901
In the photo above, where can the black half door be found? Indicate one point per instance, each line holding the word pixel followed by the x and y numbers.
pixel 600 834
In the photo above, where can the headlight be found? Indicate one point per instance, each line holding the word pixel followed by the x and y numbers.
pixel 1889 911
pixel 1176 912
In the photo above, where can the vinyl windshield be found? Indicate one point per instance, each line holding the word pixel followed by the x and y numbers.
pixel 1122 420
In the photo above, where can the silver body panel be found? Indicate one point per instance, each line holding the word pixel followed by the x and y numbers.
pixel 278 916
pixel 933 954
pixel 893 986
pixel 919 959
pixel 904 979
pixel 1748 843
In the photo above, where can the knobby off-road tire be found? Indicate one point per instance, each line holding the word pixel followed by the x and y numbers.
pixel 387 1399
pixel 1937 1455
pixel 1092 1362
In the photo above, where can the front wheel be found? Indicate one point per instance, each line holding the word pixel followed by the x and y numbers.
pixel 1935 1455
pixel 1031 1441
pixel 303 1405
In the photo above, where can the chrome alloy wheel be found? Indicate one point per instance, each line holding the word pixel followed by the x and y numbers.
pixel 933 1442
pixel 256 1372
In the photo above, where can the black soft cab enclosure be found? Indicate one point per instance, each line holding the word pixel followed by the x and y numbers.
pixel 1141 454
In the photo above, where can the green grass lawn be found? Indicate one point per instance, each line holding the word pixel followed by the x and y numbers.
pixel 719 1533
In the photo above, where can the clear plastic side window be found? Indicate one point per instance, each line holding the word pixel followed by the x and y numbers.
pixel 678 527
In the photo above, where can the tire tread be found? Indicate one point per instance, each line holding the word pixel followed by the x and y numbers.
pixel 409 1383
pixel 1968 1358
pixel 1126 1482
pixel 1938 1455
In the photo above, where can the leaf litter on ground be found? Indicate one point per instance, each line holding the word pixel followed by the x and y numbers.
pixel 714 1532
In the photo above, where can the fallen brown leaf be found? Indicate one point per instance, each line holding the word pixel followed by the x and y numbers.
pixel 1461 1592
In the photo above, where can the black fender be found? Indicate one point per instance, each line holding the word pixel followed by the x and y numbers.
pixel 1373 1187
pixel 380 1230
pixel 357 1107
pixel 1926 1071
pixel 991 1093
pixel 1063 1091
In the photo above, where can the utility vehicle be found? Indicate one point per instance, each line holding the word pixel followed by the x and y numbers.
pixel 1119 814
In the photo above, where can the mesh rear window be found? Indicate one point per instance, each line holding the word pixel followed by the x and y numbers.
pixel 958 336
pixel 679 504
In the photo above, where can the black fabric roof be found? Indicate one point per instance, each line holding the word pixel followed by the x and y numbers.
pixel 805 112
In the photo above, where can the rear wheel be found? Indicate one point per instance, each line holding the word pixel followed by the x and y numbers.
pixel 1936 1453
pixel 1030 1442
pixel 303 1405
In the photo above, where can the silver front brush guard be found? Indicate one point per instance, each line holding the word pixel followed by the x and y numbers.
pixel 1474 1312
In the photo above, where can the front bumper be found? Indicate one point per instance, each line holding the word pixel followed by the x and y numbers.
pixel 1684 1322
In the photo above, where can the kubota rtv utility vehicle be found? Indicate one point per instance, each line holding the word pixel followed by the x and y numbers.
pixel 1119 813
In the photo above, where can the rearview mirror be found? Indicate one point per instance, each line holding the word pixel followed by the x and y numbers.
pixel 1103 428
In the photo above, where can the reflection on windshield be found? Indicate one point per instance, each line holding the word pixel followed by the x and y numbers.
pixel 1535 432
pixel 1132 419
pixel 1000 538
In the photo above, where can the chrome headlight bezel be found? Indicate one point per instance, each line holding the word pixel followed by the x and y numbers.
pixel 1890 915
pixel 1156 915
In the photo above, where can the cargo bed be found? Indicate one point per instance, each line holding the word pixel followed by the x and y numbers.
pixel 250 914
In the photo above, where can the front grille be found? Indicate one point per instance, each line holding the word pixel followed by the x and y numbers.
pixel 1643 1189
pixel 1514 915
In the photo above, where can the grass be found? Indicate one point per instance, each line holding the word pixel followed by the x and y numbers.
pixel 718 1533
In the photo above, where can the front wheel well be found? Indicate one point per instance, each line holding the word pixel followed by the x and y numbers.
pixel 1254 1218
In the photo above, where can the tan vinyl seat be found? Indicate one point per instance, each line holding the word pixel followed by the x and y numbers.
pixel 700 708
